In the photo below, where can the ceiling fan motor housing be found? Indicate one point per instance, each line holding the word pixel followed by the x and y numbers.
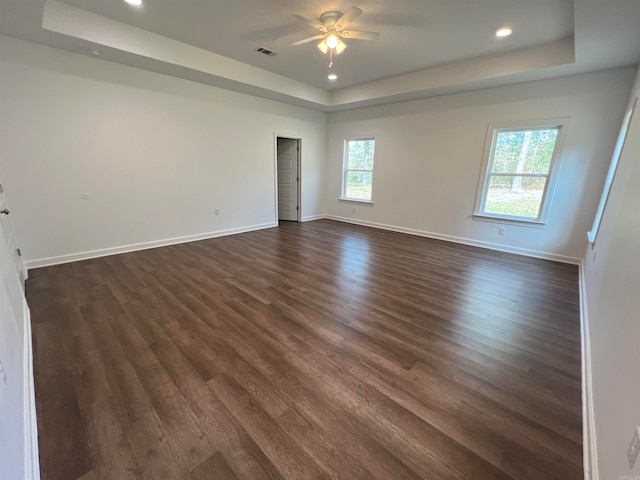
pixel 330 19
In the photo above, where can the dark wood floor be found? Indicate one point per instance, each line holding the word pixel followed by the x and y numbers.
pixel 311 351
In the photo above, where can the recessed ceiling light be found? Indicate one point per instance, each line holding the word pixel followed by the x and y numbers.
pixel 503 32
pixel 332 76
pixel 135 3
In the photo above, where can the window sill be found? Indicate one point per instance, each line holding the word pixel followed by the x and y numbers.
pixel 356 200
pixel 510 221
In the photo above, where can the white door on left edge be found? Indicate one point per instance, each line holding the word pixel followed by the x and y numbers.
pixel 7 228
pixel 287 179
pixel 13 365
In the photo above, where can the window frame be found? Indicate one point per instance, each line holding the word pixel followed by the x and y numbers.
pixel 479 213
pixel 592 235
pixel 346 170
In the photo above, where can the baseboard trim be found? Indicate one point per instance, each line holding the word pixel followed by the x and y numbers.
pixel 311 218
pixel 462 240
pixel 74 257
pixel 31 456
pixel 589 446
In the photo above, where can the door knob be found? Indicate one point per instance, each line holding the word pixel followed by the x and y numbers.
pixel 4 212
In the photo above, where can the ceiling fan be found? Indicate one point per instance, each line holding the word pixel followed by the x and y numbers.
pixel 332 25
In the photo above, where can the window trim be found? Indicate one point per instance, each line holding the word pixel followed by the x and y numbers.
pixel 345 170
pixel 613 168
pixel 562 124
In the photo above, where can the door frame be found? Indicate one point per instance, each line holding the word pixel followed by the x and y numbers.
pixel 277 135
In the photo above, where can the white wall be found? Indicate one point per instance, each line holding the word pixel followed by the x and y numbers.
pixel 155 154
pixel 429 155
pixel 612 283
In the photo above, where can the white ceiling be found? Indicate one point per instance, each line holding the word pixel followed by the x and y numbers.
pixel 415 34
pixel 426 47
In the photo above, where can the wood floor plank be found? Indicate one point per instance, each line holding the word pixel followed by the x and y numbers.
pixel 309 351
pixel 284 453
pixel 58 411
pixel 437 400
pixel 337 462
pixel 132 406
pixel 110 450
pixel 215 467
pixel 162 368
pixel 382 419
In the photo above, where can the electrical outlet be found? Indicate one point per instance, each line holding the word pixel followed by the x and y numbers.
pixel 3 376
pixel 217 211
pixel 634 448
pixel 501 230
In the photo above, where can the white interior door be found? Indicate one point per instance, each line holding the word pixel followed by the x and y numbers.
pixel 13 366
pixel 7 229
pixel 288 179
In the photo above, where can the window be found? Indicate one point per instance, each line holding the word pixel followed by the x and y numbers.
pixel 357 180
pixel 518 172
pixel 622 138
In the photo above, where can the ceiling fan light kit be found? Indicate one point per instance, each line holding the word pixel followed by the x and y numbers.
pixel 332 42
pixel 332 25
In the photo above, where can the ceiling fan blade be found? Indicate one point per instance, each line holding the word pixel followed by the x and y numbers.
pixel 347 18
pixel 307 40
pixel 360 35
pixel 313 23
